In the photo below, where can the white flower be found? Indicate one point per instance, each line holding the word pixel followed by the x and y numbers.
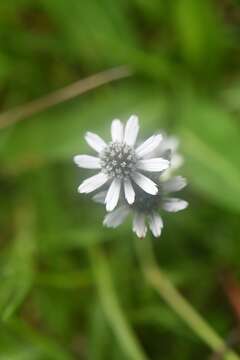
pixel 145 209
pixel 120 163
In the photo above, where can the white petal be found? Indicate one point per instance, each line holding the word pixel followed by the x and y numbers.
pixel 95 141
pixel 113 195
pixel 116 217
pixel 155 224
pixel 145 183
pixel 176 161
pixel 87 161
pixel 131 130
pixel 149 145
pixel 93 183
pixel 100 197
pixel 176 183
pixel 129 191
pixel 174 204
pixel 170 143
pixel 139 226
pixel 156 164
pixel 117 130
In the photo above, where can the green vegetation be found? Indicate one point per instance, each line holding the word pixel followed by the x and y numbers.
pixel 71 289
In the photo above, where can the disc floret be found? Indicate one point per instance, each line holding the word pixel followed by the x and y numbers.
pixel 118 160
pixel 147 203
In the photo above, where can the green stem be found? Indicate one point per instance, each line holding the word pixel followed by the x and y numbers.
pixel 160 282
pixel 112 309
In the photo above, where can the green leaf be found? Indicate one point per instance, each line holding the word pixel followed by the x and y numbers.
pixel 210 138
pixel 17 271
pixel 199 32
pixel 26 341
pixel 81 26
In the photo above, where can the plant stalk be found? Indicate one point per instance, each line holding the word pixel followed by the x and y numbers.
pixel 111 307
pixel 161 283
pixel 59 96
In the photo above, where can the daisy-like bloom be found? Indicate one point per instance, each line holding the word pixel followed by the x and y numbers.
pixel 121 162
pixel 145 208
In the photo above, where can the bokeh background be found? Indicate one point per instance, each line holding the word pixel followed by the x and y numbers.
pixel 184 57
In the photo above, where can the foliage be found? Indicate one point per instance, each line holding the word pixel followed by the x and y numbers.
pixel 184 56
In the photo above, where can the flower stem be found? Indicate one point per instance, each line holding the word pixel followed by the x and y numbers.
pixel 161 283
pixel 112 309
pixel 59 96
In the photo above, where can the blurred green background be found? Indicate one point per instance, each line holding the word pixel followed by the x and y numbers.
pixel 184 55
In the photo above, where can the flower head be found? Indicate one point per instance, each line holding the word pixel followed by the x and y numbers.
pixel 121 163
pixel 146 207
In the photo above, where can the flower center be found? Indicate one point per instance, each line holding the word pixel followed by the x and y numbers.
pixel 146 203
pixel 118 160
